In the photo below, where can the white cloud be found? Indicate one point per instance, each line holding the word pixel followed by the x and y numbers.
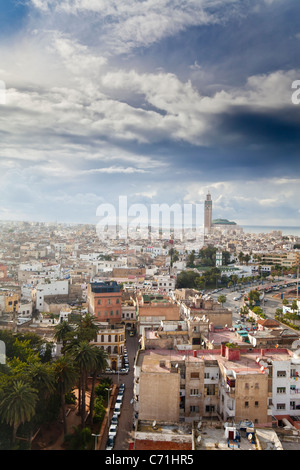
pixel 124 25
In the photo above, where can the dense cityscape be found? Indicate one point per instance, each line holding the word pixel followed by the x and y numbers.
pixel 149 343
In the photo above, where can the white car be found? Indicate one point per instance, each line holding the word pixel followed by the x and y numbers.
pixel 113 430
pixel 117 409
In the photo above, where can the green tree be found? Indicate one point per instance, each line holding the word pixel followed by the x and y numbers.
pixel 85 357
pixel 186 279
pixel 17 405
pixel 80 439
pixel 62 333
pixel 100 365
pixel 65 375
pixel 222 299
pixel 87 330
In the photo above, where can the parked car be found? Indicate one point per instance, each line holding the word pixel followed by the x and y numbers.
pixel 110 443
pixel 113 430
pixel 114 419
pixel 117 409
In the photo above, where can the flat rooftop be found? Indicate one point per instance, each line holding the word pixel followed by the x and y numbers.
pixel 160 360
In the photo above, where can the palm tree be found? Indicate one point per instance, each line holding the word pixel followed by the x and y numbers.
pixel 62 332
pixel 100 365
pixel 65 377
pixel 85 356
pixel 42 377
pixel 87 329
pixel 17 404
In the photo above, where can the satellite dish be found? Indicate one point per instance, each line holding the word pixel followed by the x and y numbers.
pixel 295 344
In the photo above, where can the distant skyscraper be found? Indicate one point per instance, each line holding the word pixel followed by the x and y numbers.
pixel 207 213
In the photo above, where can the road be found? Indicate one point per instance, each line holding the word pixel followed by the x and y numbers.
pixel 125 425
pixel 271 301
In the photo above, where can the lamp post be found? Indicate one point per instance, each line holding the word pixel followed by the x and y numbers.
pixel 96 438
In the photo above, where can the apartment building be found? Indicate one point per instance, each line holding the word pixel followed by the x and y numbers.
pixel 221 384
pixel 50 289
pixel 284 371
pixel 111 339
pixel 105 301
pixel 165 283
pixel 9 302
pixel 285 259
pixel 151 315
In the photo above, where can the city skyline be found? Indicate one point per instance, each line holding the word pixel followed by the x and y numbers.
pixel 157 101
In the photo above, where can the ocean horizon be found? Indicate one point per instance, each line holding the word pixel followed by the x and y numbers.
pixel 286 230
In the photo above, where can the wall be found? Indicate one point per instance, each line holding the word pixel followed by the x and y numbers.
pixel 159 396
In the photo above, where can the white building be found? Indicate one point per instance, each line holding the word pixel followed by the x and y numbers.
pixel 286 386
pixel 165 283
pixel 53 288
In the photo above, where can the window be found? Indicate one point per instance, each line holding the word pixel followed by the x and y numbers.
pixel 209 408
pixel 280 406
pixel 118 301
pixel 194 409
pixel 194 392
pixel 206 375
pixel 281 390
pixel 281 373
pixel 194 375
pixel 99 301
pixel 256 404
pixel 246 404
pixel 256 385
pixel 246 385
pixel 111 313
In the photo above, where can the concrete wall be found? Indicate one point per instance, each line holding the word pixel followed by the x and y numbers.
pixel 159 396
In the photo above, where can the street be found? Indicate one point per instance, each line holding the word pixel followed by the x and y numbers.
pixel 125 424
pixel 269 304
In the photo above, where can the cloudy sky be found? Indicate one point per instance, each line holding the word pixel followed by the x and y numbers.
pixel 156 100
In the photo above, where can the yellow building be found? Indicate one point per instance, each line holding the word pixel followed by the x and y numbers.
pixel 11 302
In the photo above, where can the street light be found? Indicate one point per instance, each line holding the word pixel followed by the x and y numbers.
pixel 96 437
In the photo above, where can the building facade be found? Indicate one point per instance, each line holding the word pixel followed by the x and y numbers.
pixel 105 301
